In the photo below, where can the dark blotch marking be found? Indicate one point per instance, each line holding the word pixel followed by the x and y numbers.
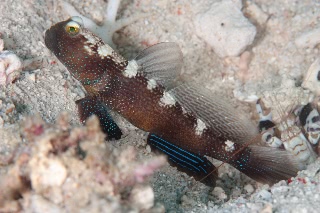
pixel 315 119
pixel 265 125
pixel 305 113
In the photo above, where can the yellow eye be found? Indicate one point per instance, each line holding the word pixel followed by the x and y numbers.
pixel 72 28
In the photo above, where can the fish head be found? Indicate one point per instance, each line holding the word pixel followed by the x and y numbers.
pixel 84 54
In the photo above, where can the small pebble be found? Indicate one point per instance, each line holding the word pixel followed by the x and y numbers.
pixel 219 193
pixel 265 195
pixel 142 197
pixel 249 188
pixel 148 149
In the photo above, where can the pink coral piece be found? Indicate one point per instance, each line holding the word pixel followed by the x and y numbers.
pixel 147 169
pixel 10 64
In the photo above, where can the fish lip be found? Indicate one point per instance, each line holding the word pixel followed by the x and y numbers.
pixel 47 37
pixel 50 40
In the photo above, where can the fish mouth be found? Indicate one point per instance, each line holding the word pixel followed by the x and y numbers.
pixel 48 38
pixel 51 41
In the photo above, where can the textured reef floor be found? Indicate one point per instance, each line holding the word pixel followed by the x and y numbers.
pixel 274 65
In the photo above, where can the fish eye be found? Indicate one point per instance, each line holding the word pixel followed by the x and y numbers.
pixel 72 28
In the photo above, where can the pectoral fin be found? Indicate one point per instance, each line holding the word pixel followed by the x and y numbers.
pixel 90 106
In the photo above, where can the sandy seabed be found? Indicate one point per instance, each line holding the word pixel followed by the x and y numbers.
pixel 275 61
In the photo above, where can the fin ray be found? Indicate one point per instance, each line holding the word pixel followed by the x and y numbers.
pixel 268 165
pixel 215 112
pixel 161 62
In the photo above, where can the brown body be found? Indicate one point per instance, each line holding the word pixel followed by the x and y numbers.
pixel 141 107
pixel 102 72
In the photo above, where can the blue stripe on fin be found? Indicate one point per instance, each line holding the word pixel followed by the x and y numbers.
pixel 193 164
pixel 182 150
pixel 173 155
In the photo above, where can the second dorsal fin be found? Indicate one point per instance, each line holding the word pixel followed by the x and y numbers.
pixel 215 112
pixel 161 62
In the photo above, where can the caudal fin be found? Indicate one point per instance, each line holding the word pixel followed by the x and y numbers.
pixel 266 164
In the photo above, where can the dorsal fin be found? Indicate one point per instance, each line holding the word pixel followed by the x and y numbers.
pixel 215 112
pixel 161 62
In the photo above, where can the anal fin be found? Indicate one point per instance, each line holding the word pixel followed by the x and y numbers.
pixel 193 164
pixel 90 106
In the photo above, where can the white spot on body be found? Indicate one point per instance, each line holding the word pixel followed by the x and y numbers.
pixel 151 84
pixel 104 51
pixel 200 127
pixel 229 146
pixel 88 49
pixel 167 100
pixel 131 69
pixel 91 39
pixel 184 111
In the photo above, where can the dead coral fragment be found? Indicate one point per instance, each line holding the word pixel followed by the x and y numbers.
pixel 69 169
pixel 10 66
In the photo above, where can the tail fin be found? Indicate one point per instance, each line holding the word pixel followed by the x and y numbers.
pixel 266 164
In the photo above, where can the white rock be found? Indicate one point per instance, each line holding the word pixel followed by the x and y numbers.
pixel 47 173
pixel 142 197
pixel 249 188
pixel 308 39
pixel 264 195
pixel 311 80
pixel 219 193
pixel 225 28
pixel 39 204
